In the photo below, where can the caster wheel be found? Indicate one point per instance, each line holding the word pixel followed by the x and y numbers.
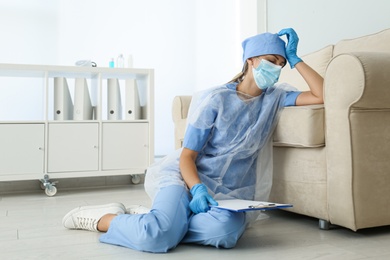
pixel 135 179
pixel 42 186
pixel 51 191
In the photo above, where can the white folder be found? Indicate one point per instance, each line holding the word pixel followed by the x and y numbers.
pixel 63 106
pixel 114 103
pixel 133 108
pixel 83 109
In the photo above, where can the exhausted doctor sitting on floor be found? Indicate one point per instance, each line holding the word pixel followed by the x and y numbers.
pixel 229 127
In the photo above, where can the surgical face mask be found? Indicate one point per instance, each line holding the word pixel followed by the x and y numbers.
pixel 266 74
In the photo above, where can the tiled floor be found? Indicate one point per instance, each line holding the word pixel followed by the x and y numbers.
pixel 30 228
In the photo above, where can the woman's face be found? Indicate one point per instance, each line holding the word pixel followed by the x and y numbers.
pixel 274 58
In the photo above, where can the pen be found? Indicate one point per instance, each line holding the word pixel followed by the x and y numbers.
pixel 262 205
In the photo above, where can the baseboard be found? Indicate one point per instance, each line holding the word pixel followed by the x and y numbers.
pixel 26 186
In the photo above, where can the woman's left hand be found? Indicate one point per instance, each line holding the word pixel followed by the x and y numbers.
pixel 292 46
pixel 201 199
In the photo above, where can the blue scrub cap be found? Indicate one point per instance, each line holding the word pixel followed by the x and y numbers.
pixel 263 44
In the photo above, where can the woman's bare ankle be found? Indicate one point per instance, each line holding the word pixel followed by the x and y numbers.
pixel 104 222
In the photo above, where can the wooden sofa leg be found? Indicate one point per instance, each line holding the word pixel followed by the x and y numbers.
pixel 323 224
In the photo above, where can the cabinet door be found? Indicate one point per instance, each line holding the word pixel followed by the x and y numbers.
pixel 73 147
pixel 125 146
pixel 21 148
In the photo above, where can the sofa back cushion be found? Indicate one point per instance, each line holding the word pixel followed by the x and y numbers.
pixel 377 42
pixel 317 60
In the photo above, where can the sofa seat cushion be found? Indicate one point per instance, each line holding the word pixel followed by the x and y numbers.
pixel 301 126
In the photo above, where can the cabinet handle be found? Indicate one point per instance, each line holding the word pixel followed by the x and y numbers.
pixel 95 147
pixel 40 148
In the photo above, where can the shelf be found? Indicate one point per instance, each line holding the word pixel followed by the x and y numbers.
pixel 75 148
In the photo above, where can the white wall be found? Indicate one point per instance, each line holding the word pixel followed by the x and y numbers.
pixel 29 36
pixel 191 45
pixel 158 34
pixel 28 31
pixel 323 22
pixel 221 26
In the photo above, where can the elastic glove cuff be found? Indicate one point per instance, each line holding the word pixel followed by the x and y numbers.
pixel 200 187
pixel 294 62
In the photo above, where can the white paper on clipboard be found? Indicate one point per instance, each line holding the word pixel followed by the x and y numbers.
pixel 247 205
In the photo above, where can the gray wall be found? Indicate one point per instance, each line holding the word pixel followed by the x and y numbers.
pixel 322 22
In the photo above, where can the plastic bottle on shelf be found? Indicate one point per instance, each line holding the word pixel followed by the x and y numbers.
pixel 120 61
pixel 111 64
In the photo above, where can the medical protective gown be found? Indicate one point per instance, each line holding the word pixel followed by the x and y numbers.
pixel 228 129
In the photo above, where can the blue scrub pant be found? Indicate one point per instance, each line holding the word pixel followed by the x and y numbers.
pixel 171 222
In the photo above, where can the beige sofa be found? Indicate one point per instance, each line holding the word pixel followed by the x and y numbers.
pixel 332 161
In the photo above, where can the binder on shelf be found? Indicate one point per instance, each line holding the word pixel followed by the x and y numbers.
pixel 63 106
pixel 238 205
pixel 83 109
pixel 114 102
pixel 133 108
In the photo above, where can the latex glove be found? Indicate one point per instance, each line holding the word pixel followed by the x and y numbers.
pixel 201 199
pixel 292 46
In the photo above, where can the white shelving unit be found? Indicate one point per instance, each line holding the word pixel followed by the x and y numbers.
pixel 36 143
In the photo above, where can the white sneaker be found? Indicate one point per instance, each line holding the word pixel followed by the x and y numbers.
pixel 87 217
pixel 137 209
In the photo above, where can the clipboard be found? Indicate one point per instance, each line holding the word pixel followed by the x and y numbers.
pixel 238 205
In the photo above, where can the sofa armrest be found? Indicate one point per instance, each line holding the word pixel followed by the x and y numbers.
pixel 357 116
pixel 180 107
pixel 358 80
